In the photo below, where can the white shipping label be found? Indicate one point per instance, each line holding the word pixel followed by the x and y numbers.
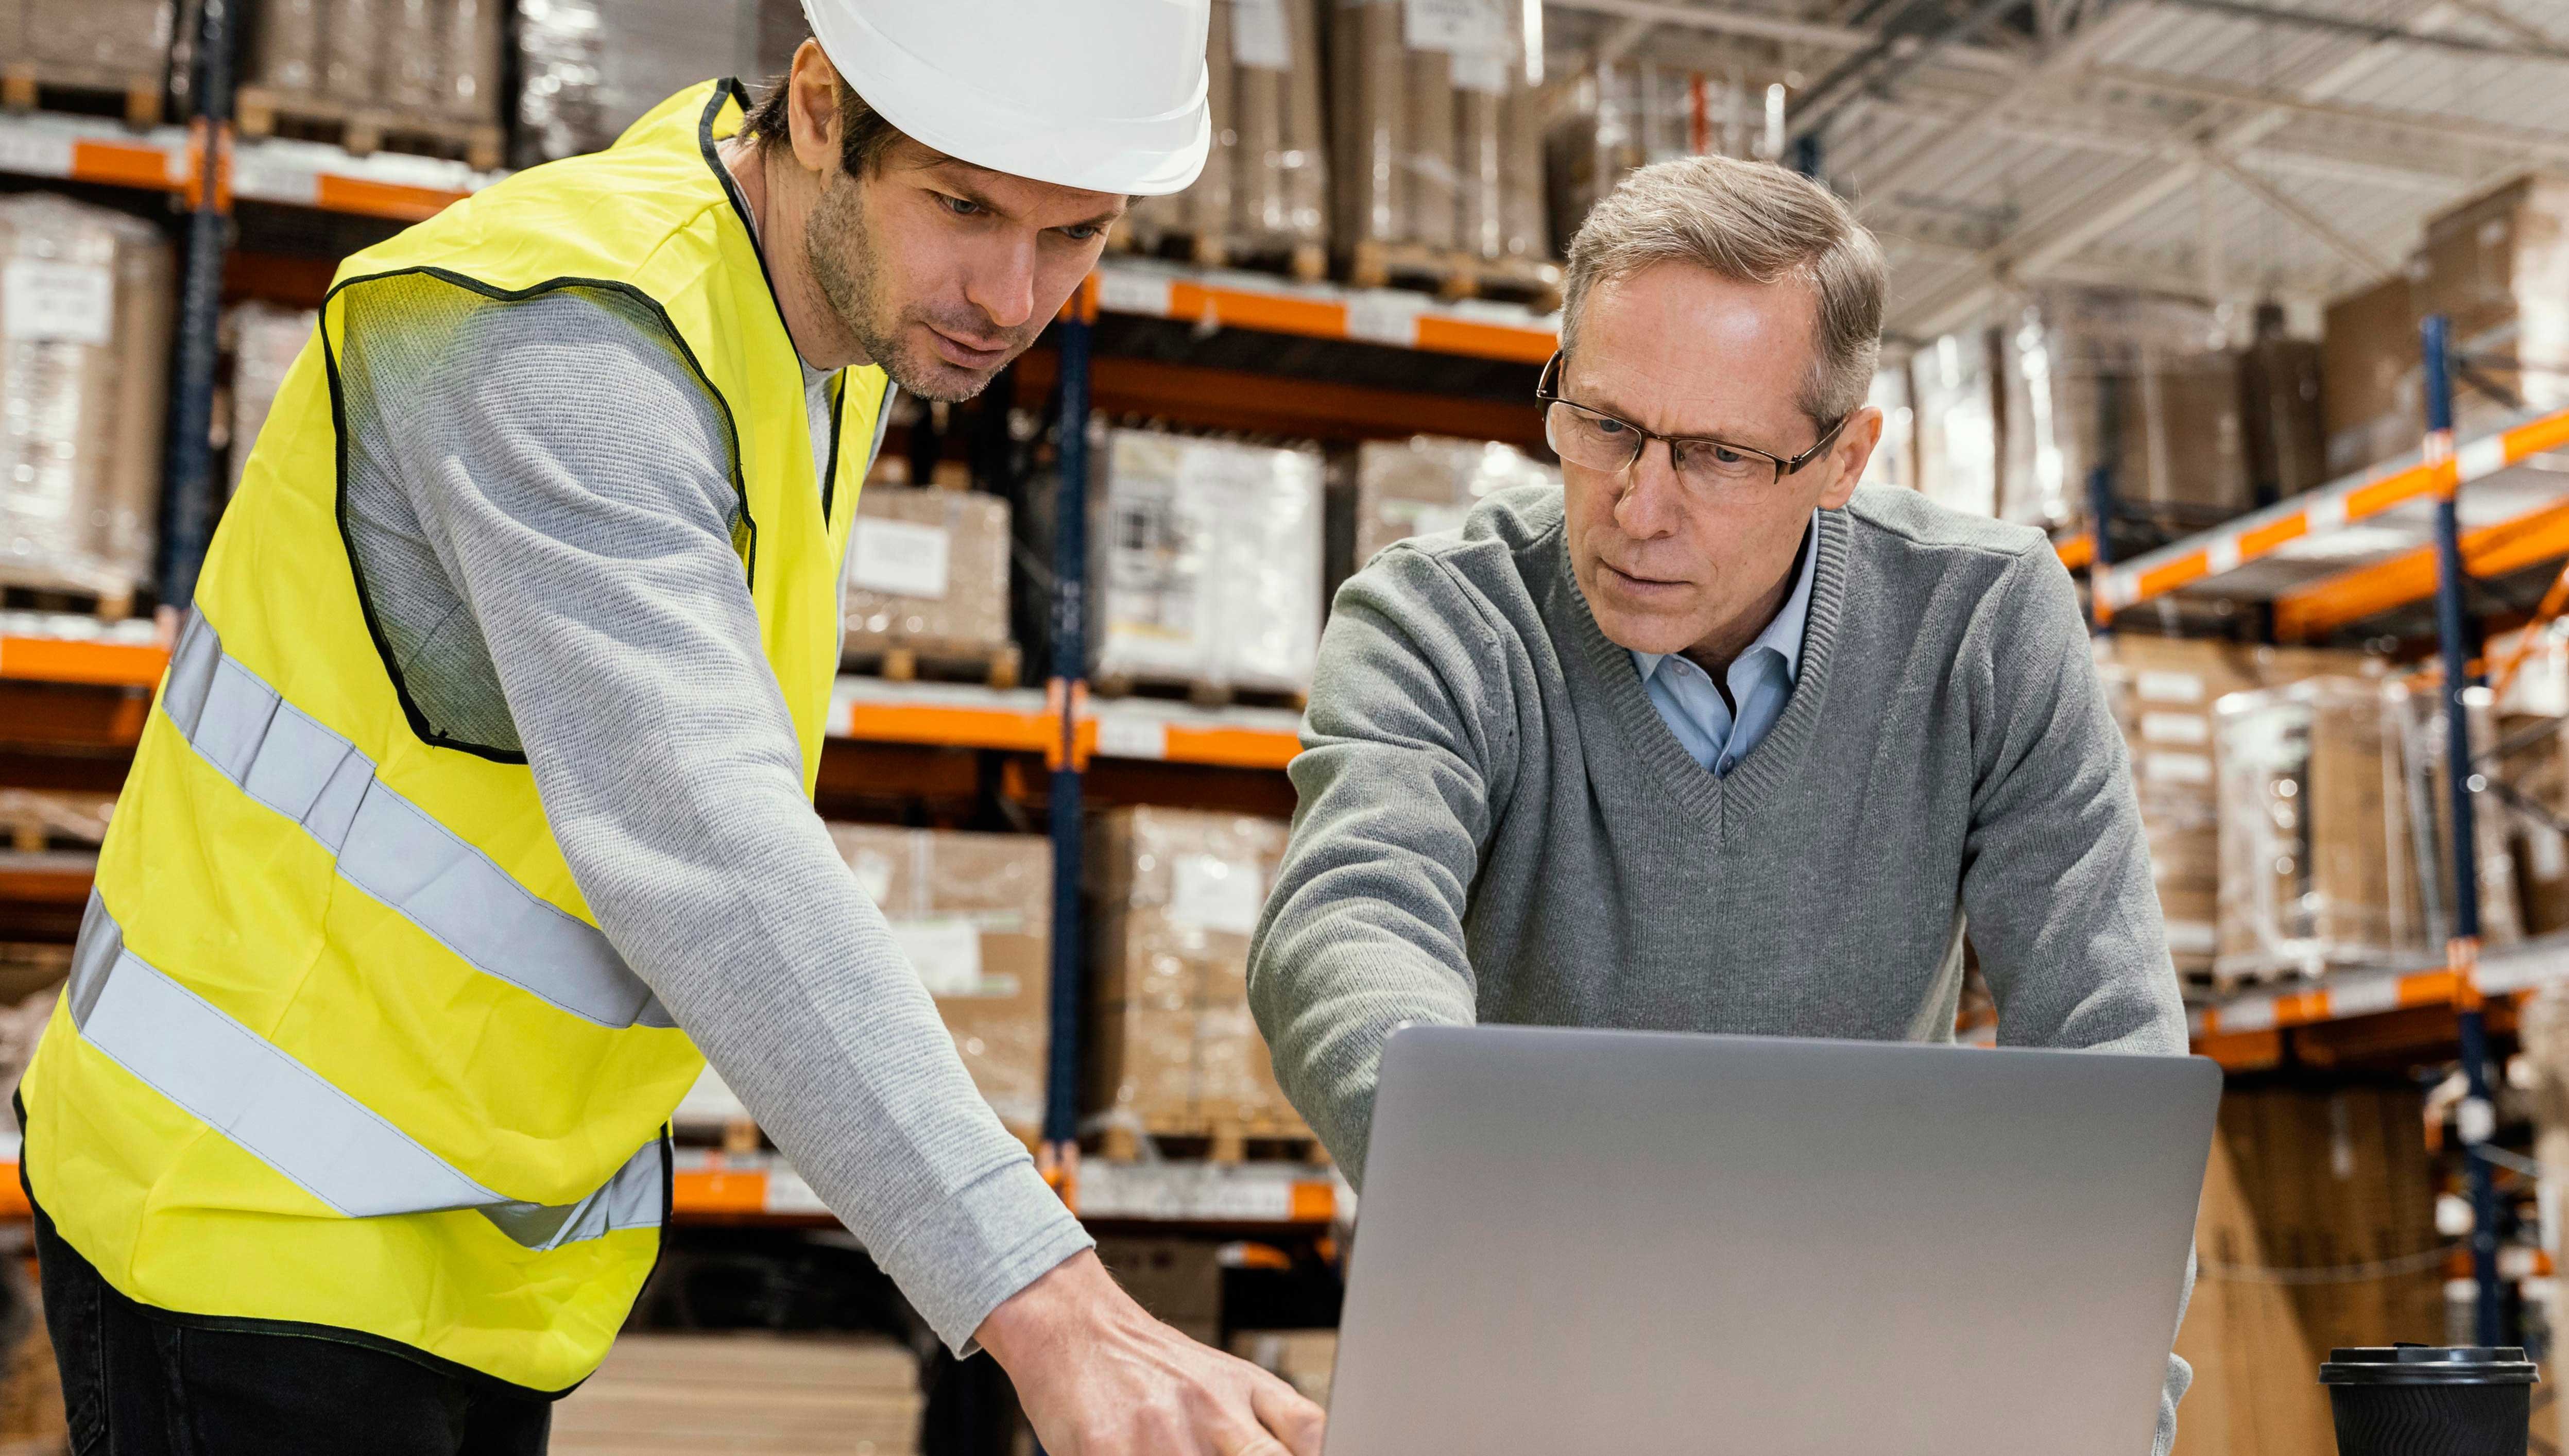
pixel 1464 27
pixel 898 558
pixel 71 303
pixel 1385 316
pixel 2548 851
pixel 1215 893
pixel 945 952
pixel 2191 729
pixel 2177 767
pixel 2168 687
pixel 1486 73
pixel 36 154
pixel 1259 37
pixel 2191 937
pixel 1120 736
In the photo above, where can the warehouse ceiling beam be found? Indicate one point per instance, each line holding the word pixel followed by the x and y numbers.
pixel 1878 66
pixel 2520 49
pixel 1753 24
pixel 2373 264
pixel 2524 141
pixel 2514 25
pixel 1622 39
pixel 2123 194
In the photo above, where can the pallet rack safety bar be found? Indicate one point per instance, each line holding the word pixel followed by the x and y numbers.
pixel 2355 498
pixel 2478 1120
pixel 1068 691
pixel 187 483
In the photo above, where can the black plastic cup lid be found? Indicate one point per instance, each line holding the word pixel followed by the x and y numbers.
pixel 2418 1364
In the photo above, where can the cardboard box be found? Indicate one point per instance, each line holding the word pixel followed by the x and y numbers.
pixel 265 341
pixel 927 569
pixel 2147 371
pixel 86 299
pixel 973 913
pixel 2279 414
pixel 2535 764
pixel 1178 896
pixel 1437 134
pixel 673 1392
pixel 101 42
pixel 436 61
pixel 2303 1181
pixel 1397 489
pixel 2498 267
pixel 2369 353
pixel 1207 564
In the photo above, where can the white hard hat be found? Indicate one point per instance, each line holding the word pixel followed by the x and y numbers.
pixel 1105 95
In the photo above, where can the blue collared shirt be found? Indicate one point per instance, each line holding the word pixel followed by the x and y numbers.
pixel 1760 680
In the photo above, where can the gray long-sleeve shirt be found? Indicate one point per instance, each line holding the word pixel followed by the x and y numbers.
pixel 1496 825
pixel 539 504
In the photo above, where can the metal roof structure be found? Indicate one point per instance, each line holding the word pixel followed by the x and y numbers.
pixel 2234 150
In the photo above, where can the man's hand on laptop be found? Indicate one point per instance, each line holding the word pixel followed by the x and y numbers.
pixel 1098 1377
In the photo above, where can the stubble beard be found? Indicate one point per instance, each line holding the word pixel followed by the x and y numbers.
pixel 850 276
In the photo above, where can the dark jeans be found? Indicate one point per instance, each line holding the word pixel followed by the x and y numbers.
pixel 140 1382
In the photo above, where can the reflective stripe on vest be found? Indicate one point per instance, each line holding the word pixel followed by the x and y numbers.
pixel 387 846
pixel 294 1120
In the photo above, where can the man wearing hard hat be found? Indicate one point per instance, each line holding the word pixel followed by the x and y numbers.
pixel 474 812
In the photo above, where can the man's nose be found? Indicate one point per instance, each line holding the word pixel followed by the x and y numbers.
pixel 1653 499
pixel 1002 282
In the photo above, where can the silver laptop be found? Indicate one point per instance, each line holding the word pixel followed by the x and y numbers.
pixel 1619 1242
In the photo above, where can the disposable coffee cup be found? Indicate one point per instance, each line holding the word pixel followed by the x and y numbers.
pixel 2431 1401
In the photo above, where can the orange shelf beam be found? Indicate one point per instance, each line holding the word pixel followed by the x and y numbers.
pixel 2350 595
pixel 54 659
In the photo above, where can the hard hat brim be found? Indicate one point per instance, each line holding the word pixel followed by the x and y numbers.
pixel 1143 156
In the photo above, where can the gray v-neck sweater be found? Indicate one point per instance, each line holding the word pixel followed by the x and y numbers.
pixel 1496 825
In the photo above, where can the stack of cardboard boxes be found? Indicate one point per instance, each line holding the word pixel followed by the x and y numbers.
pixel 2317 1229
pixel 1265 185
pixel 927 574
pixel 1175 1052
pixel 425 65
pixel 85 300
pixel 93 44
pixel 265 341
pixel 1393 490
pixel 974 914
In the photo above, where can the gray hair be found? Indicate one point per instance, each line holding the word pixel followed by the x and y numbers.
pixel 1751 223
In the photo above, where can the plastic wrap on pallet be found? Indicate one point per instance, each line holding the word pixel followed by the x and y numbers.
pixel 109 43
pixel 2533 765
pixel 1631 113
pixel 928 570
pixel 1207 563
pixel 1280 172
pixel 2498 268
pixel 265 341
pixel 1895 457
pixel 2150 372
pixel 1179 894
pixel 1424 484
pixel 588 69
pixel 1438 145
pixel 1956 419
pixel 2418 714
pixel 285 52
pixel 428 60
pixel 973 915
pixel 86 297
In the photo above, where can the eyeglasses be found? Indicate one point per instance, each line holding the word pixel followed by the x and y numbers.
pixel 1599 441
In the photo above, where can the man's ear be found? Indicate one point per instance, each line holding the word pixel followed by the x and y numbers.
pixel 812 109
pixel 1850 454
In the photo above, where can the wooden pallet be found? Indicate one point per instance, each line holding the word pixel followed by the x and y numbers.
pixel 26 86
pixel 1211 1140
pixel 26 590
pixel 1453 273
pixel 364 131
pixel 1000 667
pixel 1306 262
pixel 1201 695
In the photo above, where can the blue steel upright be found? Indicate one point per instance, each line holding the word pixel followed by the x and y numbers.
pixel 188 479
pixel 2452 625
pixel 1068 688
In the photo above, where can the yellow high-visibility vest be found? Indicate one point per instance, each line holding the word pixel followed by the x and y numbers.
pixel 344 1044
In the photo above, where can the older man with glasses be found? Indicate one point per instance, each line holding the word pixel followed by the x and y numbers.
pixel 1710 739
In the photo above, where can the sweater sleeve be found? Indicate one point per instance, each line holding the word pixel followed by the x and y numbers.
pixel 2056 885
pixel 1364 930
pixel 570 475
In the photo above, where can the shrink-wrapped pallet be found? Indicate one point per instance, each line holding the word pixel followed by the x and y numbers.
pixel 90 43
pixel 1175 1051
pixel 2368 400
pixel 2280 412
pixel 973 915
pixel 1397 489
pixel 1264 192
pixel 1438 134
pixel 430 62
pixel 2148 372
pixel 588 69
pixel 1628 115
pixel 2497 267
pixel 86 297
pixel 927 570
pixel 1207 564
pixel 265 340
